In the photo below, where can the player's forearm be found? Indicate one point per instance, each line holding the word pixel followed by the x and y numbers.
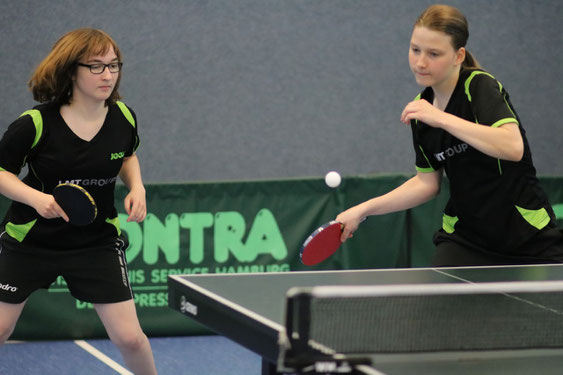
pixel 130 173
pixel 15 189
pixel 504 142
pixel 414 192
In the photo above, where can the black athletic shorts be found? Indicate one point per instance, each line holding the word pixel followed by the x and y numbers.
pixel 95 275
pixel 452 250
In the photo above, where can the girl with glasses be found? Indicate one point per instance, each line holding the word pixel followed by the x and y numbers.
pixel 80 133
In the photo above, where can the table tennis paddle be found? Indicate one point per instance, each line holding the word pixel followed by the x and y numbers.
pixel 76 202
pixel 321 244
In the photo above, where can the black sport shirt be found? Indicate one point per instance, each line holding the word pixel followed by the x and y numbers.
pixel 54 155
pixel 496 204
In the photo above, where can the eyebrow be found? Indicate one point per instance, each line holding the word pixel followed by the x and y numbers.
pixel 413 45
pixel 100 61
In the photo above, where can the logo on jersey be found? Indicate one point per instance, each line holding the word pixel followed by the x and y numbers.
pixel 90 181
pixel 117 155
pixel 451 151
pixel 8 288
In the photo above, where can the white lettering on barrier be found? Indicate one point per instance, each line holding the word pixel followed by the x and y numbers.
pixel 186 307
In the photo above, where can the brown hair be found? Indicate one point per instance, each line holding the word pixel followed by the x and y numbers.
pixel 452 22
pixel 52 79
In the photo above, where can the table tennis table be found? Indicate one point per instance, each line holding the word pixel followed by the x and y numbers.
pixel 249 309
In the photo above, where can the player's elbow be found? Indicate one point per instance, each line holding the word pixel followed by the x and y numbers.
pixel 514 146
pixel 428 184
pixel 437 189
pixel 516 152
pixel 520 151
pixel 432 191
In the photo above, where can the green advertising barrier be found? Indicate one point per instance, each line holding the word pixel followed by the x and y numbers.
pixel 234 227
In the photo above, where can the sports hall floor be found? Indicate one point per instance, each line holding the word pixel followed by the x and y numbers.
pixel 201 355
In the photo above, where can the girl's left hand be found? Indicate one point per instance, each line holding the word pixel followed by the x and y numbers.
pixel 423 111
pixel 136 205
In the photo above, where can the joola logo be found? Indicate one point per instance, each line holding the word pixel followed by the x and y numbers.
pixel 8 287
pixel 449 152
pixel 117 155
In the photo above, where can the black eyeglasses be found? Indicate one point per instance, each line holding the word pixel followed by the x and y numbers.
pixel 113 67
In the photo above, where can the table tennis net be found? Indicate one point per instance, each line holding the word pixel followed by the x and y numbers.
pixel 425 318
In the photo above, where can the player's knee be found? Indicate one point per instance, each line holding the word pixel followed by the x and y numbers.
pixel 9 314
pixel 6 331
pixel 130 341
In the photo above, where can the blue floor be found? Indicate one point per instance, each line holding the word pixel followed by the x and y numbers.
pixel 207 355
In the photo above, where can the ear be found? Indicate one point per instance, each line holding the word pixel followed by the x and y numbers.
pixel 460 56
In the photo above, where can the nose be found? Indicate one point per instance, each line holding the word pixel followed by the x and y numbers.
pixel 106 74
pixel 421 61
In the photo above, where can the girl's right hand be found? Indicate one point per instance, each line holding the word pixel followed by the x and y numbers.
pixel 350 220
pixel 48 208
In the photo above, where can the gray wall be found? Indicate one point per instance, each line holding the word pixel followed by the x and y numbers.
pixel 253 89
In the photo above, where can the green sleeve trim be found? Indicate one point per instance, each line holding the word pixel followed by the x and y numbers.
pixel 115 223
pixel 471 76
pixel 504 121
pixel 38 122
pixel 499 122
pixel 19 231
pixel 429 169
pixel 3 170
pixel 424 170
pixel 536 218
pixel 420 169
pixel 137 144
pixel 448 223
pixel 126 112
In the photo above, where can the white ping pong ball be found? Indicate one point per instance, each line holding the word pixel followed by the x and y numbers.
pixel 333 179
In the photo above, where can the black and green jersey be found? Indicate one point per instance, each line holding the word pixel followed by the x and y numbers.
pixel 496 204
pixel 54 154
